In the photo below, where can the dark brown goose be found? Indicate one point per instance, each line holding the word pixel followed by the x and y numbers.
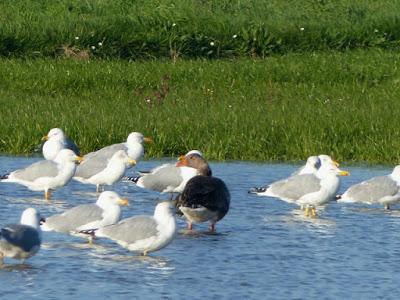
pixel 205 198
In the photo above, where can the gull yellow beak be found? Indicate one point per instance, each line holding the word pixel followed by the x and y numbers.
pixel 180 158
pixel 123 202
pixel 132 162
pixel 336 163
pixel 79 159
pixel 45 138
pixel 344 173
pixel 148 140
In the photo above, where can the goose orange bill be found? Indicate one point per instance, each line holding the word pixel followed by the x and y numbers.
pixel 182 161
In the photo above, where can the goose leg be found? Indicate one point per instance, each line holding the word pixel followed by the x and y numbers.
pixel 189 226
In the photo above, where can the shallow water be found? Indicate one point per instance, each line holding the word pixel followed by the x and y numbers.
pixel 264 248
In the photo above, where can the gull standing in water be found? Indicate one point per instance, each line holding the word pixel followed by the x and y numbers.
pixel 142 234
pixel 325 191
pixel 280 188
pixel 46 175
pixel 384 190
pixel 106 211
pixel 21 241
pixel 96 162
pixel 167 178
pixel 307 189
pixel 112 173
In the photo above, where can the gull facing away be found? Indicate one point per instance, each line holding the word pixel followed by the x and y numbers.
pixel 312 165
pixel 21 241
pixel 205 198
pixel 112 173
pixel 142 234
pixel 275 189
pixel 55 141
pixel 96 162
pixel 384 190
pixel 308 189
pixel 46 175
pixel 167 178
pixel 106 211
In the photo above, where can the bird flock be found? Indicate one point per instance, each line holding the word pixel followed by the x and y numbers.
pixel 200 197
pixel 195 194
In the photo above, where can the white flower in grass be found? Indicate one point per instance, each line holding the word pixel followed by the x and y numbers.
pixel 212 43
pixel 301 28
pixel 376 30
pixel 100 44
pixel 77 38
pixel 173 24
pixel 234 36
pixel 93 47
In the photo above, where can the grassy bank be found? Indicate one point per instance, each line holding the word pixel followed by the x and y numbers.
pixel 280 108
pixel 173 29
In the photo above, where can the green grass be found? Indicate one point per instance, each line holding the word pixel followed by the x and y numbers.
pixel 193 29
pixel 279 108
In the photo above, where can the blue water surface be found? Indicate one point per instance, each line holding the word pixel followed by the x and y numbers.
pixel 264 248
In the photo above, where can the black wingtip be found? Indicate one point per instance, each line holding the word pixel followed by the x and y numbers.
pixel 337 197
pixel 5 176
pixel 91 232
pixel 132 178
pixel 256 190
pixel 42 221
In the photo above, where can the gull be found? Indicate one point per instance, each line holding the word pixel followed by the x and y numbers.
pixel 96 162
pixel 106 211
pixel 383 190
pixel 21 241
pixel 167 178
pixel 55 141
pixel 142 234
pixel 46 175
pixel 113 172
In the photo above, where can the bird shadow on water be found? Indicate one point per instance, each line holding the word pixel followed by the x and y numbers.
pixel 36 201
pixel 16 267
pixel 186 233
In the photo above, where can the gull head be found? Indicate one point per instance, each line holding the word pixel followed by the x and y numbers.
pixel 55 134
pixel 67 155
pixel 137 137
pixel 30 217
pixel 121 156
pixel 109 198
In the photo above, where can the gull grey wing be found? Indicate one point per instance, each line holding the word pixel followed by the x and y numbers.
pixel 374 189
pixel 132 229
pixel 39 169
pixel 296 186
pixel 161 178
pixel 25 237
pixel 95 162
pixel 75 217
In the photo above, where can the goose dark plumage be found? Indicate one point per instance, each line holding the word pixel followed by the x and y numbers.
pixel 205 198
